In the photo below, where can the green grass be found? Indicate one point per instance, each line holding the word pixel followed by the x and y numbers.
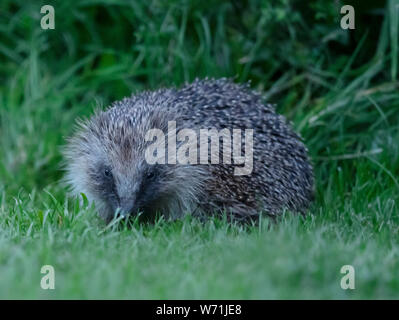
pixel 338 87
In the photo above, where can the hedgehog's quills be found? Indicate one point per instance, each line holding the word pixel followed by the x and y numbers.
pixel 106 158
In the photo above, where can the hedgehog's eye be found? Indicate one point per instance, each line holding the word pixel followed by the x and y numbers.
pixel 107 173
pixel 150 175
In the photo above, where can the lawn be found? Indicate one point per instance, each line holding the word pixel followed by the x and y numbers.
pixel 339 88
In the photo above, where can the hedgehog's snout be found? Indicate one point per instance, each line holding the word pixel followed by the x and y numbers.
pixel 127 207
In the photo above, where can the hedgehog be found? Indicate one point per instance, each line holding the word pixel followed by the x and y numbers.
pixel 107 157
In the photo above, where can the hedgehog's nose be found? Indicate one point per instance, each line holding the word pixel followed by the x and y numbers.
pixel 127 207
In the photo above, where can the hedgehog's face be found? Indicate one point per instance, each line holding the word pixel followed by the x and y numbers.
pixel 125 185
pixel 126 188
pixel 106 161
pixel 108 165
